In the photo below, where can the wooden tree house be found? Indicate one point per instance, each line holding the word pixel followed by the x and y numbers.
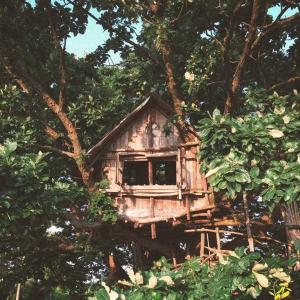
pixel 153 175
pixel 158 188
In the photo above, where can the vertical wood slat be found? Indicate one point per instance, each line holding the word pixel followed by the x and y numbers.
pixel 149 129
pixel 179 175
pixel 183 168
pixel 204 186
pixel 188 207
pixel 194 167
pixel 202 244
pixel 117 168
pixel 152 200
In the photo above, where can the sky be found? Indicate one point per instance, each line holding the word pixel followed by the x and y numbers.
pixel 85 43
pixel 94 36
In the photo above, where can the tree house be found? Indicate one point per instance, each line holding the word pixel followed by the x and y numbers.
pixel 153 175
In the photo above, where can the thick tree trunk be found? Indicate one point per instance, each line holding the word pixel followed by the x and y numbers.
pixel 176 97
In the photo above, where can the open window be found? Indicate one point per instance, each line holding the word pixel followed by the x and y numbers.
pixel 164 172
pixel 135 173
pixel 157 171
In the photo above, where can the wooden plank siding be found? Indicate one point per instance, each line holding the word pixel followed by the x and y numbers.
pixel 144 139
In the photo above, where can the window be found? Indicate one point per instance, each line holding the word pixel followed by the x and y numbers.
pixel 164 172
pixel 137 172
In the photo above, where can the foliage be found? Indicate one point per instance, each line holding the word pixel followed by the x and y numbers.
pixel 240 276
pixel 31 202
pixel 257 150
pixel 37 189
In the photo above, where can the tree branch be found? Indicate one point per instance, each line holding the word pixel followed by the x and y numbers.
pixel 27 82
pixel 140 49
pixel 270 28
pixel 56 150
pixel 283 83
pixel 232 24
pixel 62 50
pixel 53 134
pixel 24 79
pixel 256 8
pixel 63 82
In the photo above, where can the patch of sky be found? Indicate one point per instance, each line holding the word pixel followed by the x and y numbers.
pixel 82 44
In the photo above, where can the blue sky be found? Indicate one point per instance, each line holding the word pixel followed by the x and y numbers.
pixel 94 36
pixel 83 44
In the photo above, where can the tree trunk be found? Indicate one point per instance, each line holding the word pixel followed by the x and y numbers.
pixel 177 99
pixel 292 216
pixel 237 77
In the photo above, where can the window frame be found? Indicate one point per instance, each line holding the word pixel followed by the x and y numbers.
pixel 150 159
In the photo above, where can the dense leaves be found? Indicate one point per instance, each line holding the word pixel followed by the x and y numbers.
pixel 38 247
pixel 257 150
pixel 198 45
pixel 240 276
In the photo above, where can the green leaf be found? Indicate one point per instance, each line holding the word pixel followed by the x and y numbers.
pixel 11 146
pixel 254 172
pixel 297 245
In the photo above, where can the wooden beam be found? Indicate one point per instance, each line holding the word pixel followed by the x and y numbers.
pixel 218 239
pixel 233 233
pixel 162 154
pixel 189 144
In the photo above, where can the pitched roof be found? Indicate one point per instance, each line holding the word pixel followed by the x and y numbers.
pixel 153 99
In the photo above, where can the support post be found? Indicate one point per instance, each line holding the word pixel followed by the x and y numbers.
pixel 202 244
pixel 218 239
pixel 153 225
pixel 208 243
pixel 188 250
pixel 174 257
pixel 112 267
pixel 18 291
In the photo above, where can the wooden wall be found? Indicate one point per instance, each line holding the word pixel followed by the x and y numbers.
pixel 141 138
